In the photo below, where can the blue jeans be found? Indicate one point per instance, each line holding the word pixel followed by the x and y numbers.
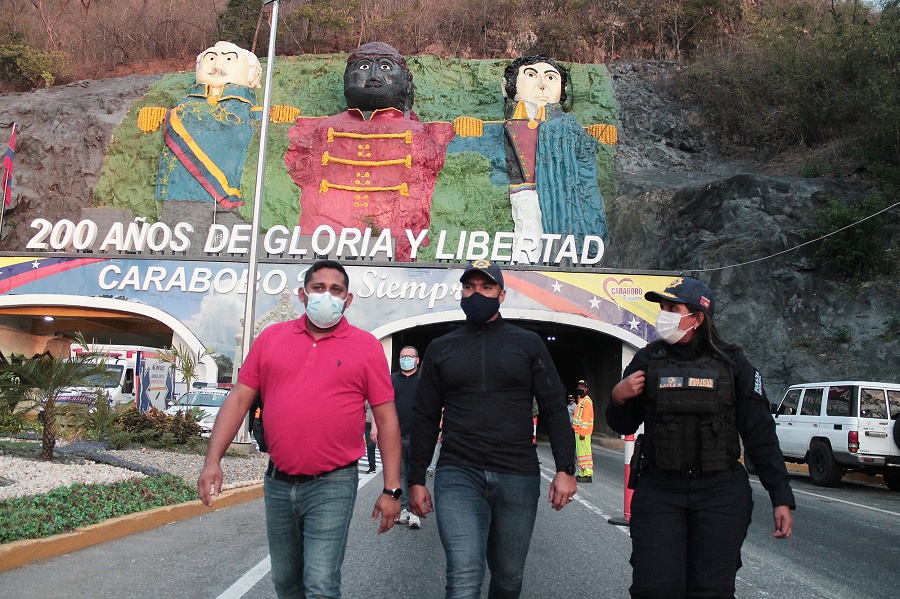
pixel 307 525
pixel 404 471
pixel 481 514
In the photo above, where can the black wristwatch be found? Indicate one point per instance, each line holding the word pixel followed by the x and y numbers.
pixel 393 493
pixel 567 468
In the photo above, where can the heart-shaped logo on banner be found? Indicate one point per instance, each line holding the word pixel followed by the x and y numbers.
pixel 622 289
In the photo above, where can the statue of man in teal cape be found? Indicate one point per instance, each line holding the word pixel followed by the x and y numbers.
pixel 208 132
pixel 548 158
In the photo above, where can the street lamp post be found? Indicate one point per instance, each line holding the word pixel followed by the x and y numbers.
pixel 243 435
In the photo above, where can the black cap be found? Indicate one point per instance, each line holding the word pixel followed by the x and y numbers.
pixel 487 267
pixel 685 290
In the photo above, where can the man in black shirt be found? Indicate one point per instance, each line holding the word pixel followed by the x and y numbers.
pixel 405 382
pixel 487 482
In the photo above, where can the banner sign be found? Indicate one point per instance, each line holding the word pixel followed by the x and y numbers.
pixel 279 241
pixel 208 296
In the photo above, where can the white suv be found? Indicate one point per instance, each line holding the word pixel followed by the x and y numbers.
pixel 844 426
pixel 204 403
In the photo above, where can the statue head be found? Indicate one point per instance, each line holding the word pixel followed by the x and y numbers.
pixel 377 77
pixel 536 79
pixel 227 63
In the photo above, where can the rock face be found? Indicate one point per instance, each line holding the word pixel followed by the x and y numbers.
pixel 63 136
pixel 680 206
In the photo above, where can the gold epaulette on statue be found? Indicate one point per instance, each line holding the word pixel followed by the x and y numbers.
pixel 150 118
pixel 283 114
pixel 607 134
pixel 468 126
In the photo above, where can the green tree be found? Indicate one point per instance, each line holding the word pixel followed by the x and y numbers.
pixel 859 246
pixel 47 375
pixel 808 72
pixel 225 366
pixel 23 65
pixel 241 22
pixel 319 26
pixel 186 361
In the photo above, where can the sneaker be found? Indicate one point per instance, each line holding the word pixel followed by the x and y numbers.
pixel 414 521
pixel 404 517
pixel 584 479
pixel 429 472
pixel 370 471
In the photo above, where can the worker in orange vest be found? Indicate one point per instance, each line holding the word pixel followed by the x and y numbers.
pixel 583 424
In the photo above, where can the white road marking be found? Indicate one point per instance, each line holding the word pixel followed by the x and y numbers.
pixel 246 582
pixel 585 503
pixel 810 493
pixel 797 571
pixel 860 505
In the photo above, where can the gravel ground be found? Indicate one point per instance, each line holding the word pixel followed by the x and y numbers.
pixel 27 476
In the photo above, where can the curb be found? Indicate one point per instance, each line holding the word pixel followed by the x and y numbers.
pixel 20 553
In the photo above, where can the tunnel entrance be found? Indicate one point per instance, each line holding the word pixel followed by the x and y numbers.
pixel 577 353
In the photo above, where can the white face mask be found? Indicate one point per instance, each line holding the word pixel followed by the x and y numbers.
pixel 324 309
pixel 667 326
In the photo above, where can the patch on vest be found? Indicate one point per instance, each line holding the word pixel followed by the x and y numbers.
pixel 701 383
pixel 691 382
pixel 671 382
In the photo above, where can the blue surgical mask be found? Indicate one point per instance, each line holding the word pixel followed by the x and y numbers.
pixel 324 309
pixel 407 363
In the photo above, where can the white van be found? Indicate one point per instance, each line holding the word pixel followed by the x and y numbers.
pixel 842 426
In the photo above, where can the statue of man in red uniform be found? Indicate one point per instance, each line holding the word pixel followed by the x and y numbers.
pixel 374 165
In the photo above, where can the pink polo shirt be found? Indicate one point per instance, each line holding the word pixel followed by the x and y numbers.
pixel 314 392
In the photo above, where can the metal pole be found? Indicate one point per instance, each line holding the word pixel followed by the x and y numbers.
pixel 243 435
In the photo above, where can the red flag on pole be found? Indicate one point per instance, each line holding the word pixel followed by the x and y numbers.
pixel 8 168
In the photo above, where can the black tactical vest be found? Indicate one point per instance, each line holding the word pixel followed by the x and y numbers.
pixel 691 408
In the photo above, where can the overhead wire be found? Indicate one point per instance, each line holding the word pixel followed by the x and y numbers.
pixel 796 247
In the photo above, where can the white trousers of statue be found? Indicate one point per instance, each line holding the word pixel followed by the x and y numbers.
pixel 526 215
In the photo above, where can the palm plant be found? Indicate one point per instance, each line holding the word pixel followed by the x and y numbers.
pixel 186 361
pixel 47 375
pixel 98 420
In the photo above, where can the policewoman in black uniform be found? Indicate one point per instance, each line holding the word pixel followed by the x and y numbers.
pixel 695 394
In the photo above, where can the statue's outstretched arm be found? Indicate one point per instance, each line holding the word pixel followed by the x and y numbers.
pixel 607 134
pixel 150 118
pixel 283 114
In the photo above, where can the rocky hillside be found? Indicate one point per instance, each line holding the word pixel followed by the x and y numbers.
pixel 681 205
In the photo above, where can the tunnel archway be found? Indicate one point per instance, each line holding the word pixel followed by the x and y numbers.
pixel 107 321
pixel 580 348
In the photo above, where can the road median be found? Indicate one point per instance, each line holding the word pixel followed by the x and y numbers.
pixel 19 553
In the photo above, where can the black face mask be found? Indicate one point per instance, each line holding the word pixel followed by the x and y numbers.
pixel 479 308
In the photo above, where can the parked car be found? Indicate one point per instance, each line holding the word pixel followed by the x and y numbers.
pixel 204 403
pixel 842 426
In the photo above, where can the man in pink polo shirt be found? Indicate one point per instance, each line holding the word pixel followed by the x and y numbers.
pixel 314 375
